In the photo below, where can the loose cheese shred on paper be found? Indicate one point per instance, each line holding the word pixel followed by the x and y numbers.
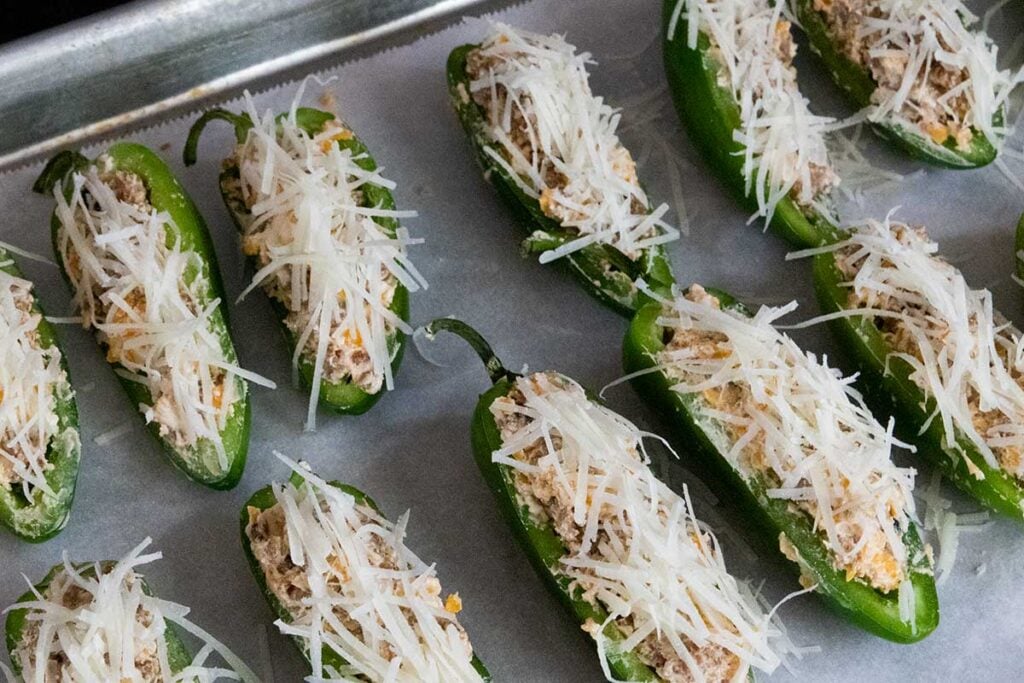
pixel 784 148
pixel 31 381
pixel 103 626
pixel 143 291
pixel 576 166
pixel 387 622
pixel 334 267
pixel 962 353
pixel 641 554
pixel 798 426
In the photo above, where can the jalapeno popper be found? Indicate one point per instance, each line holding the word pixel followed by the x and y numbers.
pixel 144 277
pixel 646 580
pixel 320 228
pixel 39 442
pixel 929 78
pixel 933 352
pixel 354 598
pixel 550 147
pixel 99 622
pixel 730 70
pixel 797 447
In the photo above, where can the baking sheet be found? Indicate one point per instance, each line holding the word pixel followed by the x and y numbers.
pixel 412 450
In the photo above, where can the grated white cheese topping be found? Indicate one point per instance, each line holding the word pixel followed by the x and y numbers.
pixel 112 628
pixel 784 148
pixel 642 553
pixel 922 34
pixel 327 260
pixel 962 352
pixel 31 381
pixel 558 142
pixel 143 294
pixel 332 537
pixel 801 428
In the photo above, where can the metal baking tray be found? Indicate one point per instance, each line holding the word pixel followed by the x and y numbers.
pixel 141 72
pixel 152 59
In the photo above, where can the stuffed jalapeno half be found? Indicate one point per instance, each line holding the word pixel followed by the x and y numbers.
pixel 354 598
pixel 144 278
pixel 730 70
pixel 39 441
pixel 646 580
pixel 550 147
pixel 934 352
pixel 928 76
pixel 319 227
pixel 796 447
pixel 100 622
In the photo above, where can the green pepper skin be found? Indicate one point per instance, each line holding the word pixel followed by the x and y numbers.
pixel 855 80
pixel 893 392
pixel 539 542
pixel 43 517
pixel 341 397
pixel 711 116
pixel 197 462
pixel 264 500
pixel 604 272
pixel 178 655
pixel 866 607
pixel 1018 249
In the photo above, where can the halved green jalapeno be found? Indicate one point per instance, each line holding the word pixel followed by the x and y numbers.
pixel 178 656
pixel 539 541
pixel 604 272
pixel 264 500
pixel 886 381
pixel 43 516
pixel 857 82
pixel 342 396
pixel 199 461
pixel 862 604
pixel 708 109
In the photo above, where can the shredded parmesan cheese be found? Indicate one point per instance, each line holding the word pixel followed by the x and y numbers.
pixel 784 149
pixel 633 546
pixel 962 353
pixel 557 141
pixel 324 253
pixel 147 298
pixel 788 422
pixel 96 622
pixel 31 382
pixel 352 587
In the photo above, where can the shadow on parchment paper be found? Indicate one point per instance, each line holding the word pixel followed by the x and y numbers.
pixel 202 548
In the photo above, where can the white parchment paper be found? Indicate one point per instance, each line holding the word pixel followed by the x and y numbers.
pixel 412 450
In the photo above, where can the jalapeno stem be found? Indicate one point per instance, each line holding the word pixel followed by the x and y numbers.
pixel 57 169
pixel 241 122
pixel 495 369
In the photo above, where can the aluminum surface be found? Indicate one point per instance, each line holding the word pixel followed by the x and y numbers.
pixel 135 64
